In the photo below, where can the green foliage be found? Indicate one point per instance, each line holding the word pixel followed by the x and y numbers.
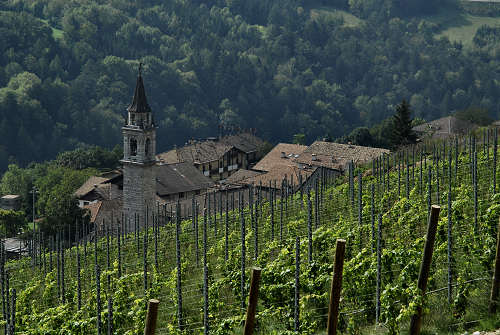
pixel 403 237
pixel 360 136
pixel 90 157
pixel 67 69
pixel 487 36
pixel 56 201
pixel 402 133
pixel 55 186
pixel 478 116
pixel 11 222
pixel 299 139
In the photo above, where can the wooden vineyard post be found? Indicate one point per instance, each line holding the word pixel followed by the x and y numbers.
pixel 416 319
pixel 338 267
pixel 150 326
pixel 495 286
pixel 252 301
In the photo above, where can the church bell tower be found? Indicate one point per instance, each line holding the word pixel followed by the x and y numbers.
pixel 139 150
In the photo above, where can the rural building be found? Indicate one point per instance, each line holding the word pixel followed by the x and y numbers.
pixel 283 154
pixel 211 157
pixel 217 158
pixel 275 169
pixel 148 180
pixel 174 182
pixel 180 181
pixel 99 188
pixel 15 248
pixel 443 128
pixel 104 212
pixel 336 156
pixel 247 143
pixel 10 202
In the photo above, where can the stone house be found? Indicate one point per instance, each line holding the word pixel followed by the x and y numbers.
pixel 11 202
pixel 217 158
pixel 180 181
pixel 107 186
pixel 443 128
pixel 336 156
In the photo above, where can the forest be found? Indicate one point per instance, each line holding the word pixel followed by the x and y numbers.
pixel 285 67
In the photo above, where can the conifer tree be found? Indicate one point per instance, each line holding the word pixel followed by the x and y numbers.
pixel 402 133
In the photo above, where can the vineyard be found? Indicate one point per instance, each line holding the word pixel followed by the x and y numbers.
pixel 199 269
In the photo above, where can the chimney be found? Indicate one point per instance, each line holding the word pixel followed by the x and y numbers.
pixel 283 154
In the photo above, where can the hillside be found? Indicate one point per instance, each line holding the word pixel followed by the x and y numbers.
pixel 284 67
pixel 193 265
pixel 460 26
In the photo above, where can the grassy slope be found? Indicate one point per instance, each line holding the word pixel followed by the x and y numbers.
pixel 454 24
pixel 349 19
pixel 56 33
pixel 459 26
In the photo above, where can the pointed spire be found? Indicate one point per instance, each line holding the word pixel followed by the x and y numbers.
pixel 140 102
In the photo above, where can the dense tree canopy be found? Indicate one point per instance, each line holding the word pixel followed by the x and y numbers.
pixel 54 183
pixel 11 222
pixel 67 69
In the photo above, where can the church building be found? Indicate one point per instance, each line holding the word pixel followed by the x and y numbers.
pixel 139 149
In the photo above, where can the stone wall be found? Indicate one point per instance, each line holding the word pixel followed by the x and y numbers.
pixel 138 190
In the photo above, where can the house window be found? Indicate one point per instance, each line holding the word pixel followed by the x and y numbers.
pixel 133 147
pixel 181 195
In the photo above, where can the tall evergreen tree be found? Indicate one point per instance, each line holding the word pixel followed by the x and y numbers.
pixel 402 134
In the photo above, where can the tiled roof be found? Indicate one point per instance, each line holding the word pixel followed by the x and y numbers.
pixel 245 142
pixel 279 173
pixel 198 152
pixel 240 176
pixel 179 177
pixel 93 208
pixel 444 127
pixel 168 157
pixel 337 155
pixel 106 211
pixel 11 196
pixel 14 245
pixel 88 186
pixel 274 157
